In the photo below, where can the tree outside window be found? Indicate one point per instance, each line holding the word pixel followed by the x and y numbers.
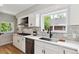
pixel 5 27
pixel 47 22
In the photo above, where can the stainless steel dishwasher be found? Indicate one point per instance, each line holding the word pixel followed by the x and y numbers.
pixel 29 46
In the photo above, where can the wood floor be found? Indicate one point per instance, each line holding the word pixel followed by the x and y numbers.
pixel 9 49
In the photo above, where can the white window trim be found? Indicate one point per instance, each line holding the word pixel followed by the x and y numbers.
pixel 12 25
pixel 55 12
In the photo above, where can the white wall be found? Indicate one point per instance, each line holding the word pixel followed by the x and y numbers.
pixel 6 38
pixel 74 14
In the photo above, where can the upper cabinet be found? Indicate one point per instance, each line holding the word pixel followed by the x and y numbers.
pixel 74 14
pixel 34 20
pixel 23 22
pixel 31 20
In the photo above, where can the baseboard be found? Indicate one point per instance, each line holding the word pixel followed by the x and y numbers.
pixel 5 43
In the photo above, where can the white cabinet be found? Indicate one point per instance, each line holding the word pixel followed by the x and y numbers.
pixel 22 44
pixel 44 48
pixel 53 49
pixel 19 42
pixel 33 20
pixel 70 51
pixel 74 14
pixel 39 47
pixel 16 41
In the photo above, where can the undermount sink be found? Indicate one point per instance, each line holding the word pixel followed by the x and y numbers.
pixel 23 34
pixel 48 39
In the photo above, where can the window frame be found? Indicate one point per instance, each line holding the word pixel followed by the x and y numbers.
pixel 12 26
pixel 53 13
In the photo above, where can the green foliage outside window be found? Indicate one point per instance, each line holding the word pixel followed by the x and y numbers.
pixel 47 22
pixel 5 27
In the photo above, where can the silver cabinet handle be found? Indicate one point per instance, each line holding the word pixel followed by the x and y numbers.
pixel 44 51
pixel 64 51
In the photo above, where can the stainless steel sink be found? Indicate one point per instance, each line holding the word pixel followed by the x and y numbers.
pixel 24 34
pixel 48 39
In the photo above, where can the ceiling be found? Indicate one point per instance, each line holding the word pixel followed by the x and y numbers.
pixel 14 8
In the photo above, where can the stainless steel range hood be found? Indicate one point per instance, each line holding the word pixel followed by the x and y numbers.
pixel 23 24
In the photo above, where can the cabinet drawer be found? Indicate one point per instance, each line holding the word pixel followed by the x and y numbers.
pixel 39 43
pixel 54 48
pixel 51 46
pixel 22 44
pixel 70 51
pixel 38 50
pixel 53 51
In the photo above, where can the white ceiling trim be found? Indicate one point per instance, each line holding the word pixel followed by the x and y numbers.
pixel 8 12
pixel 14 9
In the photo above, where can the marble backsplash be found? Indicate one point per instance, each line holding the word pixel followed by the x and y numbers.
pixel 72 34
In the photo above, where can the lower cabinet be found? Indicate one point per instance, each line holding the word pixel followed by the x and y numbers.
pixel 70 51
pixel 39 48
pixel 53 49
pixel 22 45
pixel 19 42
pixel 46 48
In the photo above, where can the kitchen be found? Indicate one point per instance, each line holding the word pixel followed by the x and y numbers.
pixel 42 29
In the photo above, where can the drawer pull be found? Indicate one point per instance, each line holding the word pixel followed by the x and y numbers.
pixel 64 51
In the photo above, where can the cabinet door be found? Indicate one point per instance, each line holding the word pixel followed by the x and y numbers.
pixel 16 41
pixel 45 48
pixel 70 51
pixel 32 20
pixel 39 50
pixel 53 49
pixel 22 44
pixel 39 47
pixel 19 42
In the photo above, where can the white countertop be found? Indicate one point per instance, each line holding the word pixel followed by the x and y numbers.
pixel 68 44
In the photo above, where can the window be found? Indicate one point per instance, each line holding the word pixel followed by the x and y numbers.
pixel 57 19
pixel 47 22
pixel 6 27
